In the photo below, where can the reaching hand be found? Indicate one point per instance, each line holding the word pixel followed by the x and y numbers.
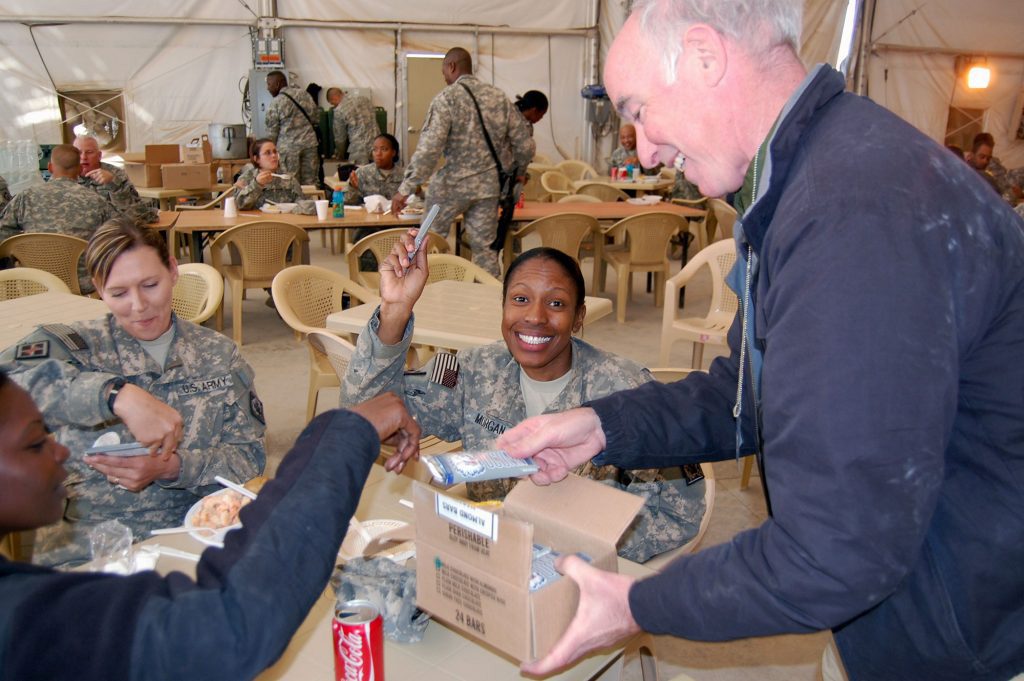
pixel 602 618
pixel 135 473
pixel 401 285
pixel 353 180
pixel 557 442
pixel 264 177
pixel 387 414
pixel 152 422
pixel 398 202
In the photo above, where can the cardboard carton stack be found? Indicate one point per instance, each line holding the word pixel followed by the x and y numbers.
pixel 473 565
pixel 172 166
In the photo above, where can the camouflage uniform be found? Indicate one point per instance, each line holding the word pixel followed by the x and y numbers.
pixel 619 156
pixel 253 195
pixel 355 124
pixel 295 139
pixel 122 194
pixel 373 180
pixel 59 206
pixel 684 189
pixel 66 369
pixel 484 400
pixel 467 184
pixel 5 194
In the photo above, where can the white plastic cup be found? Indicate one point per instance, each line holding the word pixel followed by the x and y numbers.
pixel 230 207
pixel 321 209
pixel 636 174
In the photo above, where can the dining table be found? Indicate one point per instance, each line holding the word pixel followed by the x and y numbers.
pixel 19 316
pixel 646 183
pixel 444 653
pixel 456 315
pixel 198 223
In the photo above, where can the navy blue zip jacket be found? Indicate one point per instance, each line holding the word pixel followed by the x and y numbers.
pixel 234 619
pixel 888 305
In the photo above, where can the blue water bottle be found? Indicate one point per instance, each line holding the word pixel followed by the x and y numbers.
pixel 339 203
pixel 629 172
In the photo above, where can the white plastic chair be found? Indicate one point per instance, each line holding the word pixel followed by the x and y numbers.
pixel 577 170
pixel 719 257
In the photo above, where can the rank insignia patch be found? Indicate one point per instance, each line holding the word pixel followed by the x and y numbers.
pixel 35 350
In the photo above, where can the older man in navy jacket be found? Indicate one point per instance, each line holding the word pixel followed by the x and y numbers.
pixel 875 367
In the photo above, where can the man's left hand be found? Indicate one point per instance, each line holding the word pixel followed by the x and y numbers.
pixel 602 618
pixel 100 176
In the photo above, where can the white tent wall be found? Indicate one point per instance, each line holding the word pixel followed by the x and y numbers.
pixel 911 69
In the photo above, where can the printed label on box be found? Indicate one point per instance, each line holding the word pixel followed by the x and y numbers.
pixel 475 519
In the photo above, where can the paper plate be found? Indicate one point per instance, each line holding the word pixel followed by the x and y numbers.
pixel 355 543
pixel 216 536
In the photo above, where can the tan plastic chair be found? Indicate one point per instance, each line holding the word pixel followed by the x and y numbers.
pixel 57 254
pixel 305 295
pixel 380 244
pixel 450 267
pixel 541 159
pixel 647 241
pixel 579 198
pixel 19 282
pixel 719 257
pixel 562 231
pixel 576 170
pixel 533 190
pixel 331 356
pixel 198 292
pixel 724 219
pixel 262 249
pixel 217 201
pixel 556 184
pixel 604 192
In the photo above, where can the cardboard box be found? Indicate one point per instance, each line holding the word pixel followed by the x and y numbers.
pixel 473 565
pixel 159 154
pixel 144 174
pixel 197 151
pixel 186 175
pixel 134 157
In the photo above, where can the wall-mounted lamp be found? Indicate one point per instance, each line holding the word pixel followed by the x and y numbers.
pixel 978 77
pixel 976 69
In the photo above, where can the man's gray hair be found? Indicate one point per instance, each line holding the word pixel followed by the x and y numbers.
pixel 758 25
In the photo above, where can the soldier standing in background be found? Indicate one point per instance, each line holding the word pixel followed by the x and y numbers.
pixel 60 206
pixel 290 120
pixel 468 182
pixel 5 194
pixel 355 125
pixel 111 182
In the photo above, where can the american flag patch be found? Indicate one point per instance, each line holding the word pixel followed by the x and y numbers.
pixel 446 370
pixel 66 335
pixel 36 350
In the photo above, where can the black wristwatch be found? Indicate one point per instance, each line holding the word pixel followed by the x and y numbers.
pixel 115 387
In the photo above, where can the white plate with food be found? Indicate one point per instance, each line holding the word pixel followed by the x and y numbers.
pixel 217 512
pixel 278 207
pixel 356 542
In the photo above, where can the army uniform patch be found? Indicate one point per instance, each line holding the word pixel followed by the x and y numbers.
pixel 66 335
pixel 35 350
pixel 256 407
pixel 446 370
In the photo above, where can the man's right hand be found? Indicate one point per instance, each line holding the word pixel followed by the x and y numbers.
pixel 100 176
pixel 557 442
pixel 387 414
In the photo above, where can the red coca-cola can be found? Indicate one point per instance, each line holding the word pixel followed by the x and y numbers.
pixel 358 642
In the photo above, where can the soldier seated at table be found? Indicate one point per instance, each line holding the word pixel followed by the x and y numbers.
pixel 626 155
pixel 111 182
pixel 539 368
pixel 263 182
pixel 61 206
pixel 181 390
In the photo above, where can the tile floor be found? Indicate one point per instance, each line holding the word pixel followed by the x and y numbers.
pixel 281 366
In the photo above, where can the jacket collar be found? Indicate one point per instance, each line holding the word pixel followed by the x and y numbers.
pixel 821 86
